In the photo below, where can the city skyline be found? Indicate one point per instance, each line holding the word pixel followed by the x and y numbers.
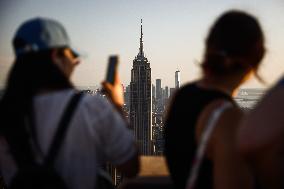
pixel 175 34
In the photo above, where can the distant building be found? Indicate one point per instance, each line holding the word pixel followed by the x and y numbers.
pixel 166 92
pixel 247 98
pixel 158 136
pixel 127 101
pixel 153 91
pixel 159 95
pixel 158 88
pixel 140 101
pixel 87 91
pixel 153 97
pixel 166 96
pixel 177 79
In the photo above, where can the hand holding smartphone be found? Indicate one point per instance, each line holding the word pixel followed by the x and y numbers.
pixel 112 85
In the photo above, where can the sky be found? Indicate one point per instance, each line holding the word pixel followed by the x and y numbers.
pixel 174 33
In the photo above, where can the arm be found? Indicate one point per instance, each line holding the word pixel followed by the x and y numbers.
pixel 260 139
pixel 129 167
pixel 117 142
pixel 114 93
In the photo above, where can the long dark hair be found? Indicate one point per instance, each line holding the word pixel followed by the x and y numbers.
pixel 235 34
pixel 29 74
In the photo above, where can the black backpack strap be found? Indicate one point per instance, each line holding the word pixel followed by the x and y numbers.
pixel 61 129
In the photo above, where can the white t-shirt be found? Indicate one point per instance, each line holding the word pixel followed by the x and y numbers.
pixel 96 134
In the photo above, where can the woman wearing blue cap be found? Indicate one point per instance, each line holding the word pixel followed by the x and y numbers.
pixel 45 121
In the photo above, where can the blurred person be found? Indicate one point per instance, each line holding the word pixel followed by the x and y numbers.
pixel 37 93
pixel 260 139
pixel 234 49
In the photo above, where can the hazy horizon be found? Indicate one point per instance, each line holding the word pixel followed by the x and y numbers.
pixel 174 33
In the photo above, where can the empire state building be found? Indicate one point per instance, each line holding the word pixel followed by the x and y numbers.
pixel 140 100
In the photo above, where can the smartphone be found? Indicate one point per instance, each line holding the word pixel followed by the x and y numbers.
pixel 111 70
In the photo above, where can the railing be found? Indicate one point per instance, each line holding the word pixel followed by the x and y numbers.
pixel 153 174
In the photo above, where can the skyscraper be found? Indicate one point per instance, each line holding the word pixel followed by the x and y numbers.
pixel 153 98
pixel 166 96
pixel 159 94
pixel 158 88
pixel 153 91
pixel 166 92
pixel 127 98
pixel 177 79
pixel 140 100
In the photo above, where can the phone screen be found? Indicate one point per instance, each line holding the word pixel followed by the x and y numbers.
pixel 112 66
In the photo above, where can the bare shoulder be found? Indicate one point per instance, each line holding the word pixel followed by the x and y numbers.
pixel 225 127
pixel 230 115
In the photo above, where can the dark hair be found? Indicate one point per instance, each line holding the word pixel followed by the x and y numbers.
pixel 30 74
pixel 234 35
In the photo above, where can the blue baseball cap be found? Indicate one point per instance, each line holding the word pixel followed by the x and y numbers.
pixel 40 34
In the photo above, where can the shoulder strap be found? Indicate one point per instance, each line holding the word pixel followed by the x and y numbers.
pixel 196 164
pixel 61 130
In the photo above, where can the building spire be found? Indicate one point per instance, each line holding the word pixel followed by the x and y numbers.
pixel 141 53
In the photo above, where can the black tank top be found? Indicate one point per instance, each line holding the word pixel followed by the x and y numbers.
pixel 180 144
